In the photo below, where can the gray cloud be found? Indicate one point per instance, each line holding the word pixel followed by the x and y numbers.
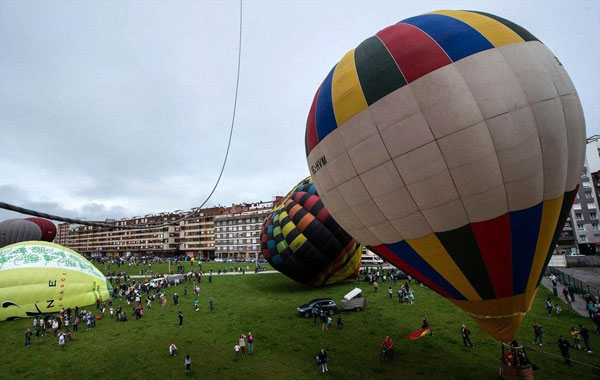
pixel 123 108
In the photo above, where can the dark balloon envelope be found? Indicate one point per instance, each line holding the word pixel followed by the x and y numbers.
pixel 18 230
pixel 301 240
pixel 48 228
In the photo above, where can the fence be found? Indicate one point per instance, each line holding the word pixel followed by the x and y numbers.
pixel 579 286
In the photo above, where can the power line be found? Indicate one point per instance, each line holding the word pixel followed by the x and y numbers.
pixel 23 210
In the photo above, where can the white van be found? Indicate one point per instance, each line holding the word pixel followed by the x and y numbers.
pixel 370 260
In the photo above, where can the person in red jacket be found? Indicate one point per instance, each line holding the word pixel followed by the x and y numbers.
pixel 388 346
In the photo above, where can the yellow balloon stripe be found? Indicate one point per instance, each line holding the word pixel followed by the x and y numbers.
pixel 349 268
pixel 433 252
pixel 550 214
pixel 346 92
pixel 498 317
pixel 297 242
pixel 497 33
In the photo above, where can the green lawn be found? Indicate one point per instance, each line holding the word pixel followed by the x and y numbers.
pixel 164 267
pixel 285 344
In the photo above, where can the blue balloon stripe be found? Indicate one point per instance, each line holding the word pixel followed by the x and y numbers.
pixel 404 251
pixel 524 230
pixel 324 114
pixel 458 39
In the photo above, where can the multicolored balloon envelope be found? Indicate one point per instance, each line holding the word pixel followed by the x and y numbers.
pixel 301 240
pixel 452 144
pixel 39 277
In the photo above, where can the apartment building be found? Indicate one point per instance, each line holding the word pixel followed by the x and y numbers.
pixel 237 232
pixel 584 213
pixel 100 241
pixel 205 233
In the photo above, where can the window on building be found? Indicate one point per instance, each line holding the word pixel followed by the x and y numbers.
pixel 578 216
pixel 588 194
pixel 592 215
pixel 580 227
pixel 583 238
pixel 595 226
pixel 576 206
pixel 584 174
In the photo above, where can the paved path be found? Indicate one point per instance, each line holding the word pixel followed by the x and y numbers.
pixel 578 305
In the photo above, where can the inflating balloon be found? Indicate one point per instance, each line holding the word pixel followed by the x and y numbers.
pixel 39 277
pixel 301 240
pixel 17 230
pixel 48 228
pixel 452 144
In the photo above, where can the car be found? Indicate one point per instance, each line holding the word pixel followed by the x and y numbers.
pixel 327 304
pixel 219 260
pixel 229 260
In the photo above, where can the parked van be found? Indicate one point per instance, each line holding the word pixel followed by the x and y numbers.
pixel 371 260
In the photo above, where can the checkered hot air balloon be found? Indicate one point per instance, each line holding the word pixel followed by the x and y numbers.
pixel 452 144
pixel 301 240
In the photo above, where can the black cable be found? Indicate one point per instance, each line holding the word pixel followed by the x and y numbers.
pixel 26 211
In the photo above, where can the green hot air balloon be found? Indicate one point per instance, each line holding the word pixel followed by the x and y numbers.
pixel 38 277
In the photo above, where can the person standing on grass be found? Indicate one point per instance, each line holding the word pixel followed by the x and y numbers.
pixel 196 307
pixel 322 359
pixel 340 322
pixel 323 320
pixel 243 344
pixel 375 286
pixel 250 344
pixel 175 299
pixel 180 318
pixel 211 303
pixel 400 295
pixel 466 335
pixel 563 346
pixel 585 334
pixel 188 363
pixel 61 340
pixel 537 333
pixel 549 306
pixel 173 350
pixel 390 292
pixel 314 312
pixel 28 337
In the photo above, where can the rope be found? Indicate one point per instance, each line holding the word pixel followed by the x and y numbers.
pixel 23 210
pixel 560 357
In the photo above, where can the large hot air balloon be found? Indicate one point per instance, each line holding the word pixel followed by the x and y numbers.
pixel 17 230
pixel 39 277
pixel 301 240
pixel 452 144
pixel 48 228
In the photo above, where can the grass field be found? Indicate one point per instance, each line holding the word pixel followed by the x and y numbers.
pixel 286 344
pixel 164 267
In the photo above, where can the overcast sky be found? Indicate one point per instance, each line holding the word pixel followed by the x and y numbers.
pixel 116 109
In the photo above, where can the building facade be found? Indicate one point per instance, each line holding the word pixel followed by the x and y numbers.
pixel 228 232
pixel 584 213
pixel 238 231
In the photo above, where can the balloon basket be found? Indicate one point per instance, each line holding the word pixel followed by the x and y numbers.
pixel 510 364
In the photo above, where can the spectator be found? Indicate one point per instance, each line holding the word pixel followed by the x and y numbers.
pixel 61 340
pixel 390 292
pixel 549 306
pixel 243 344
pixel 340 322
pixel 250 344
pixel 575 334
pixel 173 350
pixel 585 334
pixel 180 318
pixel 188 363
pixel 211 302
pixel 563 346
pixel 466 335
pixel 322 359
pixel 537 333
pixel 28 337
